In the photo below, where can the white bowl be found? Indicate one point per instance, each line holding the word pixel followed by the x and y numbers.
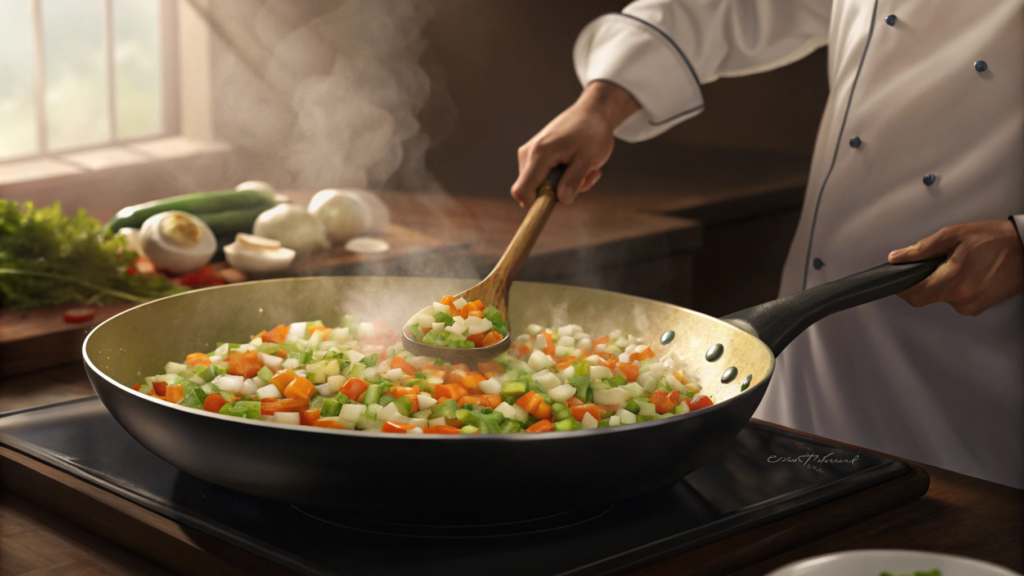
pixel 873 562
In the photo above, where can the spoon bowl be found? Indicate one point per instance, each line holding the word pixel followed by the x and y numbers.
pixel 494 288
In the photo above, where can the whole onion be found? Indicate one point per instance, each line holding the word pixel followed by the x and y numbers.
pixel 293 226
pixel 349 213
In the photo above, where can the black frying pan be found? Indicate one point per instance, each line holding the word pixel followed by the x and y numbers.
pixel 539 472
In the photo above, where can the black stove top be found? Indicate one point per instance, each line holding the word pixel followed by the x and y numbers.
pixel 763 475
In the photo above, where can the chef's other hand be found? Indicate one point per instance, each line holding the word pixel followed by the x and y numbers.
pixel 985 266
pixel 581 137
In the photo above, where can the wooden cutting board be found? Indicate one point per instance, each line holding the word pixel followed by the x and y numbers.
pixel 35 339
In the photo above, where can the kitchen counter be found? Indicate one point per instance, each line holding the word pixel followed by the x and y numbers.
pixel 958 515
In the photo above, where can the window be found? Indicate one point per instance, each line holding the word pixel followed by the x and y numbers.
pixel 80 74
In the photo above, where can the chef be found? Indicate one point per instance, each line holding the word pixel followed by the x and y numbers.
pixel 920 155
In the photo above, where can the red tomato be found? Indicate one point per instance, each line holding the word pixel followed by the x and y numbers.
pixel 160 388
pixel 663 401
pixel 76 315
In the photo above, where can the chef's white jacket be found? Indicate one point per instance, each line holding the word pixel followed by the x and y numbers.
pixel 924 128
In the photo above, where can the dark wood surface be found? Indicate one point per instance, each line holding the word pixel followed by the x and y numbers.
pixel 958 515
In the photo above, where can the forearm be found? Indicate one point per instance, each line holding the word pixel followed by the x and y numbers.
pixel 608 101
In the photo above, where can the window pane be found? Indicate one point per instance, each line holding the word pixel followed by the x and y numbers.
pixel 18 133
pixel 137 62
pixel 77 111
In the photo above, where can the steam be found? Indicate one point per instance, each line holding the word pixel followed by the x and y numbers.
pixel 330 99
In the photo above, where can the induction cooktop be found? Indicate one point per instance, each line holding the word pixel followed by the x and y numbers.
pixel 764 475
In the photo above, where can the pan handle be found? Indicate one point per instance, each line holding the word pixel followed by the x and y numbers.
pixel 778 322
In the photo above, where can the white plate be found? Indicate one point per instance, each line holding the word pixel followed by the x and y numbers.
pixel 873 562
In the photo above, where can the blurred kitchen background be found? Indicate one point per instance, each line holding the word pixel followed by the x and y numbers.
pixel 108 103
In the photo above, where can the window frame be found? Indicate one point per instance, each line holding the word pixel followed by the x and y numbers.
pixel 170 113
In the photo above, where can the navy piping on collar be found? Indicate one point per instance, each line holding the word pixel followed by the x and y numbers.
pixel 685 59
pixel 839 140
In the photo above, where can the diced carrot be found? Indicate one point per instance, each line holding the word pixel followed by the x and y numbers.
pixel 435 371
pixel 630 371
pixel 159 388
pixel 441 430
pixel 281 353
pixel 277 335
pixel 136 386
pixel 578 412
pixel 282 379
pixel 698 402
pixel 492 338
pixel 328 424
pixel 475 314
pixel 474 400
pixel 460 366
pixel 550 348
pixel 601 340
pixel 175 392
pixel 493 400
pixel 637 356
pixel 354 387
pixel 244 363
pixel 309 417
pixel 541 426
pixel 573 401
pixel 565 363
pixel 455 423
pixel 425 329
pixel 477 339
pixel 323 329
pixel 449 391
pixel 197 359
pixel 490 368
pixel 268 406
pixel 469 379
pixel 447 300
pixel 397 391
pixel 397 428
pixel 403 364
pixel 534 405
pixel 663 401
pixel 301 387
pixel 213 403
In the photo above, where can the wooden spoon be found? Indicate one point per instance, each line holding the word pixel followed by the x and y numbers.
pixel 494 288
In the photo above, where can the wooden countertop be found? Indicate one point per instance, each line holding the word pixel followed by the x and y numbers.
pixel 958 515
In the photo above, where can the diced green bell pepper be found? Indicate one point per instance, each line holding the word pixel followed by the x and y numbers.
pixel 373 394
pixel 633 407
pixel 617 380
pixel 265 374
pixel 404 405
pixel 582 385
pixel 444 317
pixel 446 410
pixel 371 360
pixel 511 427
pixel 242 409
pixel 330 408
pixel 385 399
pixel 567 425
pixel 317 401
pixel 514 389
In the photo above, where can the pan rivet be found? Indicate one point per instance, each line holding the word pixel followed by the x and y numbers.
pixel 729 375
pixel 714 353
pixel 746 382
pixel 667 337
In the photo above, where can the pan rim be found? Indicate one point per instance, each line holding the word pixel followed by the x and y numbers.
pixel 376 435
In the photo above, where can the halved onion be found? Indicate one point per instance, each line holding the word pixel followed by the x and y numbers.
pixel 177 241
pixel 251 253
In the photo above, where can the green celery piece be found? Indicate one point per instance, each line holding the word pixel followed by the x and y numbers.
pixel 469 430
pixel 317 401
pixel 404 405
pixel 515 389
pixel 444 317
pixel 488 423
pixel 265 374
pixel 207 373
pixel 617 380
pixel 690 394
pixel 371 360
pixel 642 418
pixel 582 384
pixel 603 423
pixel 534 387
pixel 678 409
pixel 563 414
pixel 145 388
pixel 503 330
pixel 558 407
pixel 342 399
pixel 463 415
pixel 582 368
pixel 567 425
pixel 194 399
pixel 210 388
pixel 242 409
pixel 330 408
pixel 385 399
pixel 632 406
pixel 420 375
pixel 415 331
pixel 446 410
pixel 302 357
pixel 511 427
pixel 372 394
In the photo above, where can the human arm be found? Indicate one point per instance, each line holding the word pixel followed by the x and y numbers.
pixel 985 265
pixel 660 52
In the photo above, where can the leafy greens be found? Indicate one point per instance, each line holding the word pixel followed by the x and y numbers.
pixel 47 258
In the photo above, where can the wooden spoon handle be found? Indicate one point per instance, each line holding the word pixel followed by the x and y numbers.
pixel 518 250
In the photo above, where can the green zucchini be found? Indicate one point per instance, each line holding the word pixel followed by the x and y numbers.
pixel 197 203
pixel 230 222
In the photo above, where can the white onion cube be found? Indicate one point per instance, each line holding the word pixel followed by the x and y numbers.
pixel 600 373
pixel 562 393
pixel 626 417
pixel 426 401
pixel 268 391
pixel 230 383
pixel 250 386
pixel 286 417
pixel 589 421
pixel 647 409
pixel 547 380
pixel 490 386
pixel 352 411
pixel 506 410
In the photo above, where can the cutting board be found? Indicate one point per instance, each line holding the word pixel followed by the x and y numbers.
pixel 35 339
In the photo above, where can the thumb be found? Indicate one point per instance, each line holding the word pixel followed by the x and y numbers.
pixel 572 181
pixel 937 245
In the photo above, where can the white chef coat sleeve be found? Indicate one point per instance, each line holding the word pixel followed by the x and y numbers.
pixel 1018 219
pixel 662 51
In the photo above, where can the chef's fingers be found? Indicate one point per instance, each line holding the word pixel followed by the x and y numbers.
pixel 935 287
pixel 531 176
pixel 935 246
pixel 573 179
pixel 590 181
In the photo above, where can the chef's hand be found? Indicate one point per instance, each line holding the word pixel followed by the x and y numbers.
pixel 985 266
pixel 581 137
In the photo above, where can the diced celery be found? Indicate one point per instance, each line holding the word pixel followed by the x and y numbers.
pixel 317 401
pixel 469 430
pixel 515 389
pixel 265 374
pixel 386 399
pixel 331 407
pixel 446 410
pixel 242 409
pixel 567 425
pixel 404 405
pixel 373 394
